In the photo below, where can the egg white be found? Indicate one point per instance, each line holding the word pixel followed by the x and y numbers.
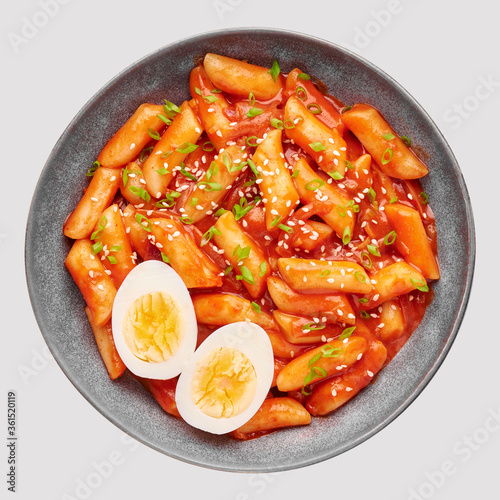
pixel 254 343
pixel 152 276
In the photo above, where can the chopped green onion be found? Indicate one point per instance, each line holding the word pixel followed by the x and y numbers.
pixel 251 164
pixel 162 171
pixel 364 315
pixel 366 260
pixel 388 136
pixel 325 273
pixel 103 221
pixel 363 300
pixel 346 235
pixel 153 134
pixel 228 270
pixel 144 152
pixel 187 174
pixel 165 258
pixel 139 218
pixel 216 91
pixel 420 285
pixel 214 168
pixel 277 123
pixel 347 333
pixel 303 76
pixel 256 307
pixel 171 110
pixel 314 359
pixel 423 197
pixel 373 250
pixel 289 124
pixel 313 326
pixel 209 235
pixel 208 148
pixel 360 276
pixel 186 219
pixel 329 351
pixel 97 247
pixel 371 195
pixel 126 171
pixel 112 259
pixel 314 108
pixel 275 70
pixel 164 119
pixel 186 148
pixel 197 91
pixel 341 210
pixel 301 93
pixel 141 193
pixel 349 165
pixel 315 184
pixel 251 99
pixel 210 99
pixel 285 228
pixel 317 146
pixel 335 175
pixel 168 201
pixel 295 173
pixel 242 253
pixel 115 248
pixel 254 112
pixel 93 168
pixel 394 199
pixel 262 269
pixel 210 186
pixel 253 145
pixel 220 212
pixel 241 209
pixel 167 154
pixel 246 275
pixel 406 140
pixel 384 158
pixel 276 220
pixel 346 108
pixel 390 238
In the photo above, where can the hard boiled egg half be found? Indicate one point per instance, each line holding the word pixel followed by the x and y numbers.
pixel 153 321
pixel 227 379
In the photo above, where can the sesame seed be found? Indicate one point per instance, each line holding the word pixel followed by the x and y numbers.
pixel 369 373
pixel 360 355
pixel 330 280
pixel 100 287
pixel 94 199
pixel 348 389
pixel 218 133
pixel 304 279
pixel 334 392
pixel 132 146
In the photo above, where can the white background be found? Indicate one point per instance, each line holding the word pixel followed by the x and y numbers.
pixel 442 52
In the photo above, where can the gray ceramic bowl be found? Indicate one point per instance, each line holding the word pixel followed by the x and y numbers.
pixel 58 305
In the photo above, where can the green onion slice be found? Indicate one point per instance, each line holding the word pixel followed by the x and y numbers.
pixel 385 160
pixel 347 333
pixel 315 184
pixel 275 70
pixel 420 285
pixel 317 146
pixel 390 238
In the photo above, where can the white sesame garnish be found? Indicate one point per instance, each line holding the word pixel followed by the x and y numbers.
pixel 369 373
pixel 94 199
pixel 132 146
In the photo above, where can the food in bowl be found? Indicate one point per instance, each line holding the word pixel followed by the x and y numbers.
pixel 256 255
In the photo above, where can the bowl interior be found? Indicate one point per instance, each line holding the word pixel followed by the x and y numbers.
pixel 59 307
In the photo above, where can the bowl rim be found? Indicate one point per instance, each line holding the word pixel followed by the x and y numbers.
pixel 458 318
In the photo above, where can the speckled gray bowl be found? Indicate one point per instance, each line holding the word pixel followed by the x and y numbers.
pixel 58 305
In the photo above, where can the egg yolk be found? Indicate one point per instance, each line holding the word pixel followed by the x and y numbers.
pixel 151 327
pixel 224 383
